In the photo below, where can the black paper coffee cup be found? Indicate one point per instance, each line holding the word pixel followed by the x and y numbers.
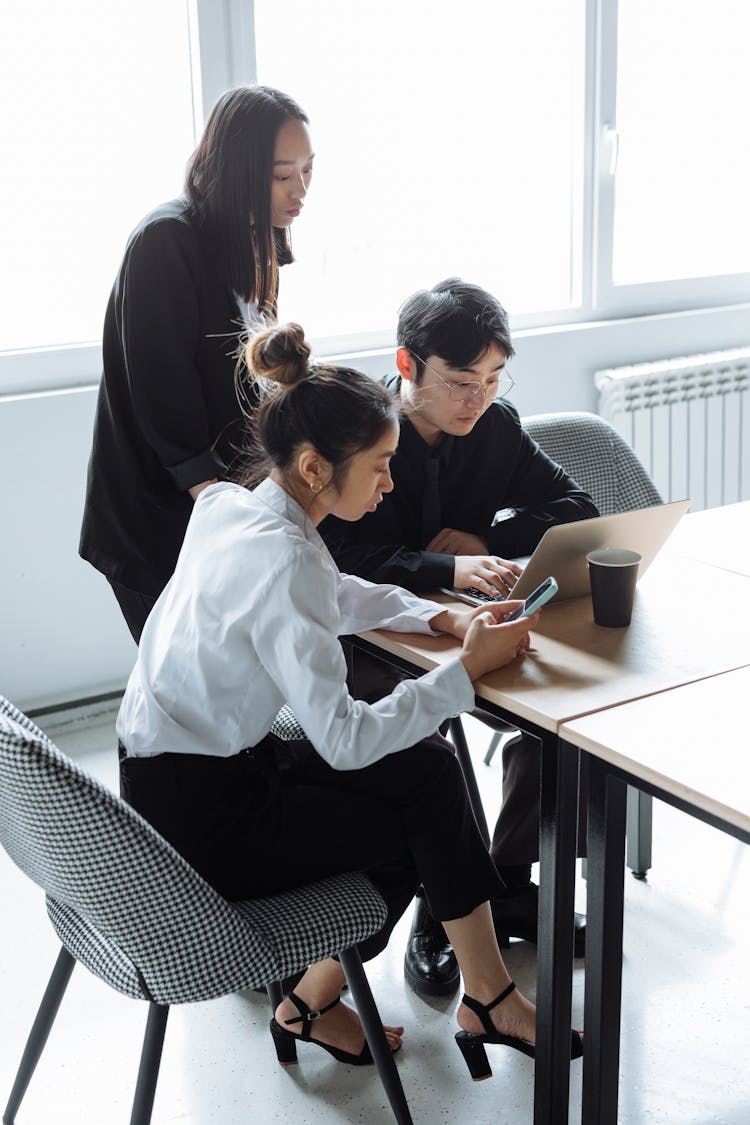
pixel 613 573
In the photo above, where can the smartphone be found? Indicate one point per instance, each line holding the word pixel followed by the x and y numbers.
pixel 535 600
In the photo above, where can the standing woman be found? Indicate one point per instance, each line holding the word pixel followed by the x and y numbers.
pixel 198 273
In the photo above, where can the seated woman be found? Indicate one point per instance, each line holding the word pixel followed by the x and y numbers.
pixel 250 620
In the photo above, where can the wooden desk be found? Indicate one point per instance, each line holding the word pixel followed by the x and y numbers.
pixel 578 668
pixel 719 536
pixel 657 741
pixel 657 745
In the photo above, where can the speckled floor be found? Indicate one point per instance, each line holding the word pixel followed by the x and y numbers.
pixel 686 1011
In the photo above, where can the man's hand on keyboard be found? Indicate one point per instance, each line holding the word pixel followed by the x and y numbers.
pixel 487 573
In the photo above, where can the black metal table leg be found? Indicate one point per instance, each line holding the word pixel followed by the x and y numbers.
pixel 558 832
pixel 606 852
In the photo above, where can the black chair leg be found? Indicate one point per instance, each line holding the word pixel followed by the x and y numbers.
pixel 508 740
pixel 371 1022
pixel 639 831
pixel 494 743
pixel 40 1030
pixel 148 1071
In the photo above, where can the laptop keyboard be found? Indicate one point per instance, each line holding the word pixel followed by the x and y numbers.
pixel 481 596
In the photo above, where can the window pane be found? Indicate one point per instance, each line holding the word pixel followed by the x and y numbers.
pixel 683 175
pixel 446 137
pixel 96 128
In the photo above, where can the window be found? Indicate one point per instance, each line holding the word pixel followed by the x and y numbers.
pixel 449 140
pixel 583 159
pixel 683 170
pixel 97 125
pixel 673 156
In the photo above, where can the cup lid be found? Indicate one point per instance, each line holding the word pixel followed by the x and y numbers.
pixel 613 556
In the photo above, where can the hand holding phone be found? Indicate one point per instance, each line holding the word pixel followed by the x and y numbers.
pixel 489 644
pixel 539 597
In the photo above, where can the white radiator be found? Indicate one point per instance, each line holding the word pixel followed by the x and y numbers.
pixel 687 419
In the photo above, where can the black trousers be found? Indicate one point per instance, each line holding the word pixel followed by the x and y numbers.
pixel 278 816
pixel 515 839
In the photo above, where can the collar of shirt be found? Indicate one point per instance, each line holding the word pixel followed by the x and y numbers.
pixel 271 494
pixel 410 443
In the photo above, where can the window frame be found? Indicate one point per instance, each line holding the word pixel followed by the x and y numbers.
pixel 223 54
pixel 608 300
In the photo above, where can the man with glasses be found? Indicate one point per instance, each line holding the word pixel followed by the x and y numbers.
pixel 472 491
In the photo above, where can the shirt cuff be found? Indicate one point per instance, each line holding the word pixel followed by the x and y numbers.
pixel 436 570
pixel 455 684
pixel 204 466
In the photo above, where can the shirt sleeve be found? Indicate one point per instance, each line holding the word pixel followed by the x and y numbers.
pixel 367 605
pixel 300 651
pixel 418 571
pixel 540 493
pixel 159 319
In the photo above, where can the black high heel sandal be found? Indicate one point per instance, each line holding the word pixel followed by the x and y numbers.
pixel 285 1041
pixel 472 1045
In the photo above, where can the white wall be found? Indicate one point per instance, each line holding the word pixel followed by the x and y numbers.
pixel 61 634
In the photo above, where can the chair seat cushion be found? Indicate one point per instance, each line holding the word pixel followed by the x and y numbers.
pixel 286 727
pixel 283 933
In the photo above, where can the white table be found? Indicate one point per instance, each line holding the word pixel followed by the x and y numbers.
pixel 578 668
pixel 719 536
pixel 655 744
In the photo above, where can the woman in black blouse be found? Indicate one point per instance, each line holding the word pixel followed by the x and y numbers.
pixel 198 273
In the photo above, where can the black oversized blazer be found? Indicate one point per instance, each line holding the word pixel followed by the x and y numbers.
pixel 167 415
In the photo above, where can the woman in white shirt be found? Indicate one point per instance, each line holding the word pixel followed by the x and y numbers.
pixel 250 620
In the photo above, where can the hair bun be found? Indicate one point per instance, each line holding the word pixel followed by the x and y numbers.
pixel 280 354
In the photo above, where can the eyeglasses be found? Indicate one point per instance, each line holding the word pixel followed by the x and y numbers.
pixel 468 391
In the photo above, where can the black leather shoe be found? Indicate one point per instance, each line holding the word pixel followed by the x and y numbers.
pixel 430 964
pixel 515 914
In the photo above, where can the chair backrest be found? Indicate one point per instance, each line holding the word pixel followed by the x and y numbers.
pixel 596 456
pixel 154 928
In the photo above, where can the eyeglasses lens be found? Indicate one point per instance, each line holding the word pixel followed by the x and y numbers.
pixel 464 392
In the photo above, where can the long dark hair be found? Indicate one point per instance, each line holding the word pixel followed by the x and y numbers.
pixel 228 180
pixel 338 410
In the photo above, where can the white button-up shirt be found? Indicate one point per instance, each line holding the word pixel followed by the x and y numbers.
pixel 250 620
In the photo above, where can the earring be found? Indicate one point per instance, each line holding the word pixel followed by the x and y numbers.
pixel 315 486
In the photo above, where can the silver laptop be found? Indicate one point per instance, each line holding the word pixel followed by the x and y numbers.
pixel 563 548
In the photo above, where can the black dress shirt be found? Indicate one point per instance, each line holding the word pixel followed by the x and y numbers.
pixel 495 467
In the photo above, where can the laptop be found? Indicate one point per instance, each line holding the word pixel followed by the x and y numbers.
pixel 563 548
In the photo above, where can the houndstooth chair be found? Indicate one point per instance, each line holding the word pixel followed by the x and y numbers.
pixel 594 454
pixel 134 912
pixel 286 727
pixel 603 463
